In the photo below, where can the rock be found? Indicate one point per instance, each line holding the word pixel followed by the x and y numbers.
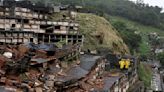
pixel 38 89
pixel 38 83
pixel 8 54
pixel 51 77
pixel 49 83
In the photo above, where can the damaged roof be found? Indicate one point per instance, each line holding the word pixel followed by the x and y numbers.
pixel 74 73
pixel 45 47
pixel 109 81
pixel 4 89
pixel 88 61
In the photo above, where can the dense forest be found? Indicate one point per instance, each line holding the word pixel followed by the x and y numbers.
pixel 142 13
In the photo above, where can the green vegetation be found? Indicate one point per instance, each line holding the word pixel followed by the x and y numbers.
pixel 99 33
pixel 145 74
pixel 142 13
pixel 144 47
pixel 135 25
pixel 128 35
pixel 160 57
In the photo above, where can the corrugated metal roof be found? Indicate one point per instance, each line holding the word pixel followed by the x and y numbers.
pixel 88 61
pixel 109 81
pixel 74 73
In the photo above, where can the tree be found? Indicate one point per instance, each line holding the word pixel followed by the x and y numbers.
pixel 130 38
pixel 139 12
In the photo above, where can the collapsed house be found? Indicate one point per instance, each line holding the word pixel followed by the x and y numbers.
pixel 23 21
pixel 25 67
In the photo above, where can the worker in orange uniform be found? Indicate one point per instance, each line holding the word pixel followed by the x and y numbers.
pixel 122 63
pixel 127 63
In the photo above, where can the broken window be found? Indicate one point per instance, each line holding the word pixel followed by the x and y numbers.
pixel 26 21
pixel 64 16
pixel 71 28
pixel 50 30
pixel 57 27
pixel 13 25
pixel 45 26
pixel 31 40
pixel 19 20
pixel 46 38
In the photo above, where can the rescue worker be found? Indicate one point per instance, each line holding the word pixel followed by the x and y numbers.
pixel 122 63
pixel 127 63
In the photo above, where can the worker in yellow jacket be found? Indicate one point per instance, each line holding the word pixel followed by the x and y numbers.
pixel 122 63
pixel 127 63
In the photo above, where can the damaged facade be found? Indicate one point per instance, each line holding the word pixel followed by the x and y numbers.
pixel 23 21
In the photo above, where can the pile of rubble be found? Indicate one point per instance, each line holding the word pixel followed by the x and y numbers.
pixel 32 68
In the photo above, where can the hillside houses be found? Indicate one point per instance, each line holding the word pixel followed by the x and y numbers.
pixel 32 61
